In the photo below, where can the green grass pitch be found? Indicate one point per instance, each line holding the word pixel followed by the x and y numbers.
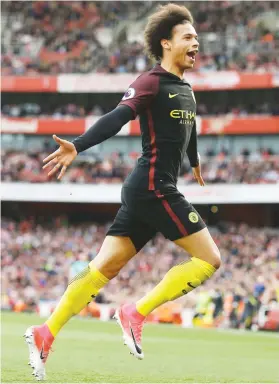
pixel 90 351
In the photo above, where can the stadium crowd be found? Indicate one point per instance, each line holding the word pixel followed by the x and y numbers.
pixel 30 109
pixel 256 167
pixel 68 37
pixel 59 36
pixel 230 39
pixel 40 255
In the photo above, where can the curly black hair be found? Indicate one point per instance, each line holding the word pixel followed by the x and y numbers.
pixel 160 26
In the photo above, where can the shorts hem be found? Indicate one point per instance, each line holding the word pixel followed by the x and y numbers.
pixel 188 234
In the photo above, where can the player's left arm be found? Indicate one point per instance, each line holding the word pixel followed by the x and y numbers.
pixel 194 157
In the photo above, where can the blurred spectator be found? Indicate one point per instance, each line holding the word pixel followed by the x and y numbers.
pixel 21 110
pixel 74 110
pixel 39 257
pixel 62 37
pixel 252 168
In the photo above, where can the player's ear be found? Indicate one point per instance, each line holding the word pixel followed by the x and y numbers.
pixel 166 44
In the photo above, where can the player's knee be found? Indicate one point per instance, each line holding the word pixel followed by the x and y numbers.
pixel 215 258
pixel 109 269
pixel 110 263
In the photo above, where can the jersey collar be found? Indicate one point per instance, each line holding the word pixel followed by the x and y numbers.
pixel 161 70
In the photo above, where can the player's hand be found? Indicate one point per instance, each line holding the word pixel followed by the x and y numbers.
pixel 198 176
pixel 61 158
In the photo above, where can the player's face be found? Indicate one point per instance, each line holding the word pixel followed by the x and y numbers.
pixel 184 45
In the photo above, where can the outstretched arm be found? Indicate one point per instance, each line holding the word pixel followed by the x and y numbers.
pixel 106 127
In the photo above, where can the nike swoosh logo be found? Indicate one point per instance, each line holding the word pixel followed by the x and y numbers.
pixel 134 340
pixel 93 297
pixel 42 355
pixel 190 285
pixel 171 96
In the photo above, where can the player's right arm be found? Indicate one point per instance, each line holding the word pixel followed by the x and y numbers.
pixel 136 99
pixel 106 127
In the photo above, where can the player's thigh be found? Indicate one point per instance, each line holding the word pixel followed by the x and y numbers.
pixel 126 236
pixel 173 215
pixel 114 254
pixel 179 221
pixel 202 246
pixel 128 224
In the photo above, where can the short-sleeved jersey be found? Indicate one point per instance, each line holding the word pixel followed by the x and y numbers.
pixel 167 109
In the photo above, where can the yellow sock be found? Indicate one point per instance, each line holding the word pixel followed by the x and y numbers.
pixel 178 281
pixel 81 290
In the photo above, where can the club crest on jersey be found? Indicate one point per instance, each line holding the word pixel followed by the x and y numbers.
pixel 129 93
pixel 193 217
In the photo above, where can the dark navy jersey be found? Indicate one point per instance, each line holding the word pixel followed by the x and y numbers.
pixel 166 108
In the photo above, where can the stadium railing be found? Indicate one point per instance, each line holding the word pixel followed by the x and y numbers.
pixel 110 193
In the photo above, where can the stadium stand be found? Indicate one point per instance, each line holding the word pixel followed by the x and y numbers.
pixel 39 258
pixel 73 110
pixel 104 38
pixel 252 168
pixel 45 46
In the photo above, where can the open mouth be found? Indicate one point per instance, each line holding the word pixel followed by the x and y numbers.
pixel 192 55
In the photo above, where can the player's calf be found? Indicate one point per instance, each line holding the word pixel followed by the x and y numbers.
pixel 183 278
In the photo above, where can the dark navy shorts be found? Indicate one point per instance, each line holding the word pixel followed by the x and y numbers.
pixel 144 213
